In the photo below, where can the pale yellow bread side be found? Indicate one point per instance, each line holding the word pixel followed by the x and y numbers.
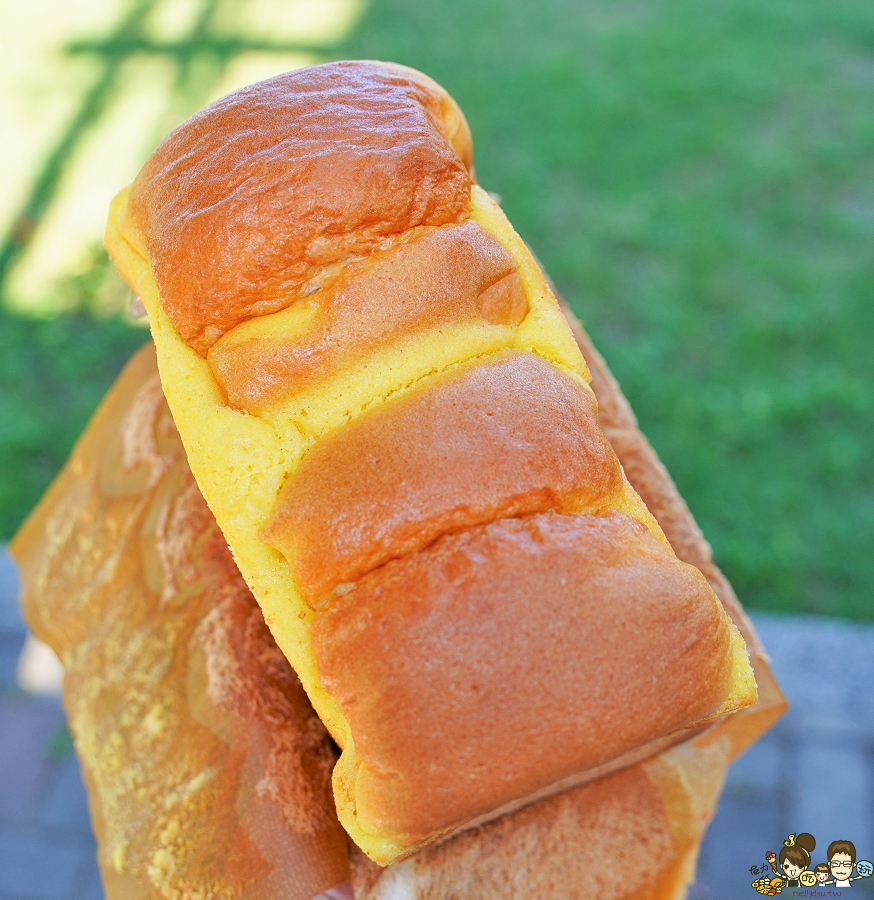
pixel 240 460
pixel 239 488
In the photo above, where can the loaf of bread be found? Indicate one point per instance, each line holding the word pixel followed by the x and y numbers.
pixel 392 423
pixel 207 770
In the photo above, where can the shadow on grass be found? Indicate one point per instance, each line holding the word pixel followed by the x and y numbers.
pixel 53 371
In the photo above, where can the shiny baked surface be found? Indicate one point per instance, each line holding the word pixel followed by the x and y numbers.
pixel 430 659
pixel 406 290
pixel 508 436
pixel 289 177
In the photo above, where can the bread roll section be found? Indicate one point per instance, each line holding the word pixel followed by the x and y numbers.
pixel 460 664
pixel 507 436
pixel 376 426
pixel 242 215
pixel 633 835
pixel 405 290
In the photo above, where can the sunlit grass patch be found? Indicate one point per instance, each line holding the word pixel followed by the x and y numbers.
pixel 104 90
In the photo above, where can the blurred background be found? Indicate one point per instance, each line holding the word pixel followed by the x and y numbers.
pixel 697 176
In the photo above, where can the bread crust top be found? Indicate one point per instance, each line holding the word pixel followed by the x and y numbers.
pixel 258 199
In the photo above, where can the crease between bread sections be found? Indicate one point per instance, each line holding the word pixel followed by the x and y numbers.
pixel 391 421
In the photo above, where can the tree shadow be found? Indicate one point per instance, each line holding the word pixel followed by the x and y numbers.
pixel 200 57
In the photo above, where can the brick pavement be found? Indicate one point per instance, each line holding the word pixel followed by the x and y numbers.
pixel 813 772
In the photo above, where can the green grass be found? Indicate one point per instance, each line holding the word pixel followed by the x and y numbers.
pixel 53 373
pixel 697 178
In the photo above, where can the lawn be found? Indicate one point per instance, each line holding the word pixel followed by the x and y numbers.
pixel 696 176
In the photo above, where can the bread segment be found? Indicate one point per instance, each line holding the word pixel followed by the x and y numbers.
pixel 244 206
pixel 460 665
pixel 504 436
pixel 241 458
pixel 632 835
pixel 407 289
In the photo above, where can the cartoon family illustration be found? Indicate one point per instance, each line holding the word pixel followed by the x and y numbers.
pixel 792 868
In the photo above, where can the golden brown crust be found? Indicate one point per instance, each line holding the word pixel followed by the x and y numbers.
pixel 498 704
pixel 243 205
pixel 503 437
pixel 208 773
pixel 457 273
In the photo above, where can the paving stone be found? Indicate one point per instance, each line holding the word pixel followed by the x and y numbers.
pixel 37 867
pixel 833 797
pixel 10 614
pixel 12 627
pixel 93 889
pixel 826 669
pixel 26 728
pixel 88 885
pixel 756 770
pixel 740 834
pixel 11 643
